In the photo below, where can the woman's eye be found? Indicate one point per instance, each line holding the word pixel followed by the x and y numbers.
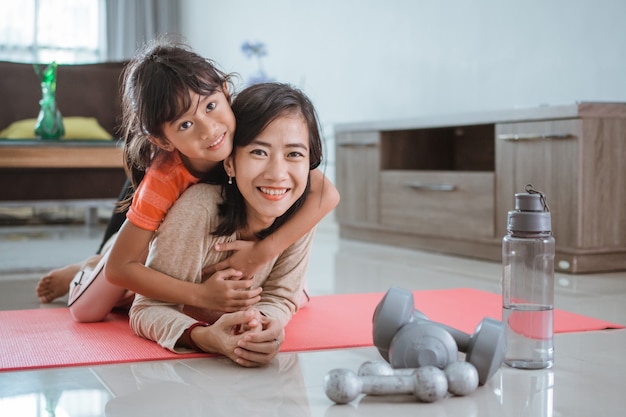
pixel 295 154
pixel 259 152
pixel 211 106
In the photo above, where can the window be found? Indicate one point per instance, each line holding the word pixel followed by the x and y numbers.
pixel 42 31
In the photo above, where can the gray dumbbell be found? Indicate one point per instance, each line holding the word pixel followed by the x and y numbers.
pixel 410 343
pixel 422 344
pixel 428 384
pixel 484 348
pixel 462 376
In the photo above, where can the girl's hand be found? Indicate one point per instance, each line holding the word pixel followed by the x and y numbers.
pixel 247 257
pixel 226 291
pixel 259 348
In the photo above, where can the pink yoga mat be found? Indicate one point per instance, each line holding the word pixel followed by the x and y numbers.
pixel 48 338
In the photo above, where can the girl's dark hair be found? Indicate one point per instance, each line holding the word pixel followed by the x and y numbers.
pixel 156 90
pixel 255 108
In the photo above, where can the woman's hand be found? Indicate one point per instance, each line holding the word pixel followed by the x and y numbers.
pixel 247 257
pixel 259 348
pixel 225 334
pixel 226 291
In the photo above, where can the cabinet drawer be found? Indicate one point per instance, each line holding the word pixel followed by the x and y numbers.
pixel 451 204
pixel 546 155
pixel 358 166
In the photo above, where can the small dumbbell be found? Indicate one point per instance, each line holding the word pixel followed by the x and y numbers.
pixel 484 349
pixel 428 384
pixel 410 343
pixel 462 376
pixel 422 344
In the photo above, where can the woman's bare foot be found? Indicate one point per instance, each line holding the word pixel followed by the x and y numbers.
pixel 56 283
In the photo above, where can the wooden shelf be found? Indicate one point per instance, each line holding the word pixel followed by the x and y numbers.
pixel 84 154
pixel 60 170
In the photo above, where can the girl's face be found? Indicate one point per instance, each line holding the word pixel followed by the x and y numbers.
pixel 203 135
pixel 272 171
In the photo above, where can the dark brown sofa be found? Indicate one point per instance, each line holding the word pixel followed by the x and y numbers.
pixel 88 90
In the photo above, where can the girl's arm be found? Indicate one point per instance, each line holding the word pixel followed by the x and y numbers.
pixel 248 257
pixel 126 269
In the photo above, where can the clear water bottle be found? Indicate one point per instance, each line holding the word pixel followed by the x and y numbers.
pixel 528 283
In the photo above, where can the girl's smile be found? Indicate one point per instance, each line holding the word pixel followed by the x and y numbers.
pixel 218 142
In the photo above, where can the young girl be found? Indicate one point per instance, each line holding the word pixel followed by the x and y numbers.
pixel 276 147
pixel 178 127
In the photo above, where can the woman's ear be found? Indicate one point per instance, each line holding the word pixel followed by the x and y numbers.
pixel 229 166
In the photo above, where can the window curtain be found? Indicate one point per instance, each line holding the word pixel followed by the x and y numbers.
pixel 130 23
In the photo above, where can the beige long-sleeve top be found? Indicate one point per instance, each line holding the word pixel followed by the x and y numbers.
pixel 183 246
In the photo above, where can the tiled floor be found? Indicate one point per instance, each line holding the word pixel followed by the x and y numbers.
pixel 587 379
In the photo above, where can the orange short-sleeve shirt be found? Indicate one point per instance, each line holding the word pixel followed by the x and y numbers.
pixel 165 180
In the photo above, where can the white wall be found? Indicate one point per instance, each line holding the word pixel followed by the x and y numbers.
pixel 380 59
pixel 389 59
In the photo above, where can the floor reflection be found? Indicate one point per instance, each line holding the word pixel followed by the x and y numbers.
pixel 54 393
pixel 202 387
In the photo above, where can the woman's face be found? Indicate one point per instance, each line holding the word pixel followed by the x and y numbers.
pixel 272 171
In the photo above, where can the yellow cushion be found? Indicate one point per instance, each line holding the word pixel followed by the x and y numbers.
pixel 75 128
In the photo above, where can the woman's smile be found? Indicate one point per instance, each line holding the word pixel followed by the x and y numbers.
pixel 273 193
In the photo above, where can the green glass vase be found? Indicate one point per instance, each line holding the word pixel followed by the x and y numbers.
pixel 49 121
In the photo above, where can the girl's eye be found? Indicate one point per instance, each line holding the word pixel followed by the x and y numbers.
pixel 211 106
pixel 185 125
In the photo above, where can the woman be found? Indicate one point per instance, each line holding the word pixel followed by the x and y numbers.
pixel 276 145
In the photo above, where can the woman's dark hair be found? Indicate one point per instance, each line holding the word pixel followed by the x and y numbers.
pixel 255 108
pixel 156 90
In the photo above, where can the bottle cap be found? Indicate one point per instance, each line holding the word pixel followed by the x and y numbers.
pixel 528 202
pixel 531 213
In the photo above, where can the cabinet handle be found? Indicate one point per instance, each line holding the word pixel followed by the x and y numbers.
pixel 535 136
pixel 431 187
pixel 357 145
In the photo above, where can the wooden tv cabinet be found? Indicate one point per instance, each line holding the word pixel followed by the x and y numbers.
pixel 446 184
pixel 38 170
